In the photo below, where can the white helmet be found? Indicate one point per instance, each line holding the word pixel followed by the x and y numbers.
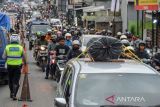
pixel 76 42
pixel 49 30
pixel 14 39
pixel 65 30
pixel 68 35
pixel 123 37
pixel 119 33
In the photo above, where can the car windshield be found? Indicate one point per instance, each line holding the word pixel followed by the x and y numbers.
pixel 101 90
pixel 43 28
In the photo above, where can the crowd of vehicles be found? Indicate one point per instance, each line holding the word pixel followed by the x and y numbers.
pixel 127 66
pixel 75 75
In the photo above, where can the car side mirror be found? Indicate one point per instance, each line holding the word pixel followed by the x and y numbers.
pixel 60 102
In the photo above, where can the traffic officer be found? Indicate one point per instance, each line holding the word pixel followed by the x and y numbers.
pixel 14 55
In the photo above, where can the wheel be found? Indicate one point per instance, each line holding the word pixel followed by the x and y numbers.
pixel 43 66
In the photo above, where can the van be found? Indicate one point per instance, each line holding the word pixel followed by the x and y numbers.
pixel 3 43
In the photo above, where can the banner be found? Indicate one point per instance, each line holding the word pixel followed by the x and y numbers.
pixel 146 4
pixel 115 5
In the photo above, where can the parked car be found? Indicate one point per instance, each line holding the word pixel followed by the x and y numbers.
pixel 3 71
pixel 108 84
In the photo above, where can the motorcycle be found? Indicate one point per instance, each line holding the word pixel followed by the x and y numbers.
pixel 42 57
pixel 61 62
pixel 31 42
pixel 35 52
pixel 52 63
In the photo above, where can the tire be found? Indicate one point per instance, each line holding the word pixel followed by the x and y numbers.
pixel 43 68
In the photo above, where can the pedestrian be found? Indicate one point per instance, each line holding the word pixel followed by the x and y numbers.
pixel 14 55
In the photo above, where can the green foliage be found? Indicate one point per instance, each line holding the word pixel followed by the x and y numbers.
pixel 133 29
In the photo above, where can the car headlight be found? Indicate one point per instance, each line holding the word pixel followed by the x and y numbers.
pixel 42 48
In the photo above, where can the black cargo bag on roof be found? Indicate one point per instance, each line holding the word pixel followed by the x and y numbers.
pixel 104 48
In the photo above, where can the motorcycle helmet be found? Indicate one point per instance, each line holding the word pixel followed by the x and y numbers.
pixel 142 44
pixel 123 37
pixel 109 32
pixel 14 39
pixel 60 38
pixel 125 42
pixel 53 36
pixel 76 42
pixel 68 35
pixel 119 33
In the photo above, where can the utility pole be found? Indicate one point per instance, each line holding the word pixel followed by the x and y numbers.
pixel 137 18
pixel 114 23
pixel 157 31
pixel 142 23
pixel 74 13
pixel 152 31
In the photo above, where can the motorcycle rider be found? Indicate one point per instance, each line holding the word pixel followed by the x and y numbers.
pixel 48 35
pixel 123 37
pixel 42 40
pixel 79 33
pixel 68 40
pixel 75 52
pixel 75 36
pixel 125 42
pixel 51 47
pixel 141 52
pixel 156 61
pixel 119 35
pixel 61 50
pixel 64 32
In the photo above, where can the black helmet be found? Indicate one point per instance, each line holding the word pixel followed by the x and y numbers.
pixel 61 38
pixel 125 42
pixel 142 43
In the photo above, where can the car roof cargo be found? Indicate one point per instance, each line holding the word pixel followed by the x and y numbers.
pixel 104 48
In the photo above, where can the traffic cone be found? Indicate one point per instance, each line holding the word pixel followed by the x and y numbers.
pixel 25 93
pixel 24 105
pixel 25 69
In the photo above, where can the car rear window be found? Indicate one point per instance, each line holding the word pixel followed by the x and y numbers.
pixel 96 90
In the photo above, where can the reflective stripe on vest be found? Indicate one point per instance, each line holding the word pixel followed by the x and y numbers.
pixel 14 54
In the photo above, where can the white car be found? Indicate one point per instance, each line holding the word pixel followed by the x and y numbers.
pixel 86 38
pixel 56 23
pixel 123 83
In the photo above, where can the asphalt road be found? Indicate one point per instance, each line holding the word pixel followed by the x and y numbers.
pixel 42 91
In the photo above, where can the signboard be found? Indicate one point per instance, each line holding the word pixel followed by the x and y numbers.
pixel 115 5
pixel 146 4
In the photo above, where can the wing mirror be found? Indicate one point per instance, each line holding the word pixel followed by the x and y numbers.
pixel 60 102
